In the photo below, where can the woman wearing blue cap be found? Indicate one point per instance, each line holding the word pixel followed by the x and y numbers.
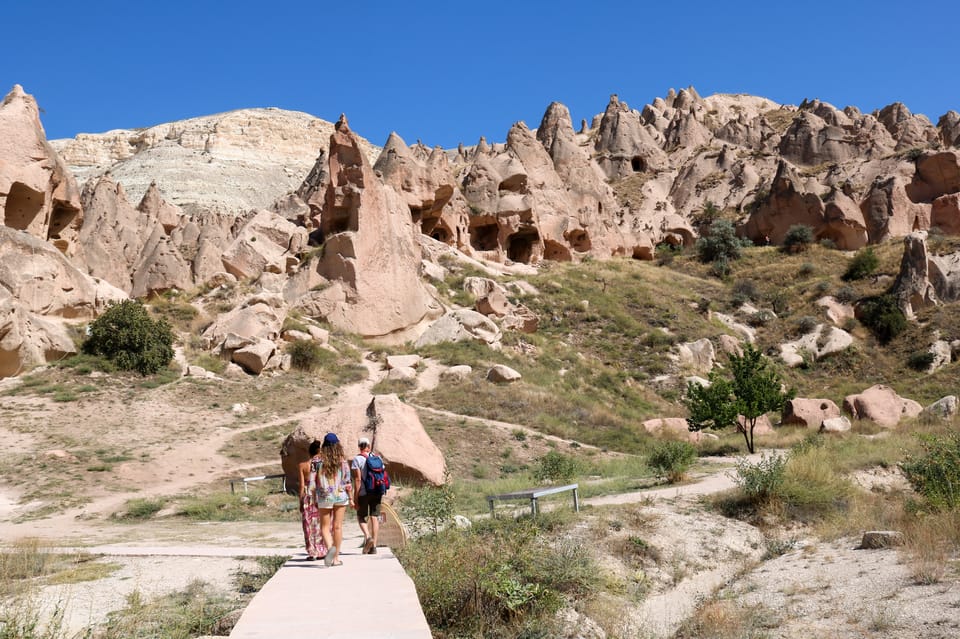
pixel 334 493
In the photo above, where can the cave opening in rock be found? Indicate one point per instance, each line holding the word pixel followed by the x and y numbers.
pixel 484 237
pixel 579 240
pixel 23 206
pixel 60 218
pixel 514 184
pixel 520 245
pixel 637 164
pixel 555 251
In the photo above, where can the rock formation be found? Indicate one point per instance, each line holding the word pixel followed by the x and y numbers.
pixel 409 453
pixel 229 162
pixel 38 193
pixel 370 254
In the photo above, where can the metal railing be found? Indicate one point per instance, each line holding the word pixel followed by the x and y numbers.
pixel 247 480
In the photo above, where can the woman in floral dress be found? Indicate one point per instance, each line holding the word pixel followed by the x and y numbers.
pixel 334 492
pixel 309 514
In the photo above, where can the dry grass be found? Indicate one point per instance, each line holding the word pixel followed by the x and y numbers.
pixel 932 545
pixel 724 619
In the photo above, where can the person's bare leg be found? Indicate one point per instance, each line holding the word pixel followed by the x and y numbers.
pixel 364 526
pixel 374 523
pixel 326 518
pixel 338 512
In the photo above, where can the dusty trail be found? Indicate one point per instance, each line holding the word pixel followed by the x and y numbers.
pixel 172 470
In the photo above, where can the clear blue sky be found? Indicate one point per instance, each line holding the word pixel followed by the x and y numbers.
pixel 450 71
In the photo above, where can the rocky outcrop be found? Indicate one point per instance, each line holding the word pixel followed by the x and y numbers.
pixel 38 193
pixel 428 188
pixel 228 162
pixel 925 279
pixel 882 405
pixel 913 287
pixel 410 455
pixel 824 340
pixel 370 253
pixel 459 325
pixel 810 413
pixel 625 145
pixel 39 289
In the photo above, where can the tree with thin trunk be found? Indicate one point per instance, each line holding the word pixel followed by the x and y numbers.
pixel 754 390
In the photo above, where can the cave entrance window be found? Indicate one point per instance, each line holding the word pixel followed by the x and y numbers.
pixel 484 237
pixel 520 245
pixel 23 206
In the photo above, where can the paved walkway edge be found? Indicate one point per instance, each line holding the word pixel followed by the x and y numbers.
pixel 308 599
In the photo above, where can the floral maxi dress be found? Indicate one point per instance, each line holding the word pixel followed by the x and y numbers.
pixel 312 539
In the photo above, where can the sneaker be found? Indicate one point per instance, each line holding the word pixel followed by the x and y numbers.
pixel 330 557
pixel 368 546
pixel 373 550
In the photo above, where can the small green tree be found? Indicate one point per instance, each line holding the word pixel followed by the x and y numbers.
pixel 754 390
pixel 126 335
pixel 882 315
pixel 720 242
pixel 798 238
pixel 431 504
pixel 935 472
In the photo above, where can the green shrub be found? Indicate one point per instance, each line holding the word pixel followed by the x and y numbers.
pixel 883 317
pixel 746 289
pixel 556 467
pixel 935 473
pixel 763 481
pixel 720 242
pixel 846 295
pixel 308 355
pixel 430 505
pixel 127 335
pixel 672 460
pixel 143 508
pixel 798 238
pixel 864 263
pixel 920 361
pixel 502 578
pixel 806 325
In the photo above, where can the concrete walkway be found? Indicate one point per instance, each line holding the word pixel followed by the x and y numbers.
pixel 308 599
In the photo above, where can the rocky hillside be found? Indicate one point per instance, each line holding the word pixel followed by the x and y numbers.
pixel 229 162
pixel 295 218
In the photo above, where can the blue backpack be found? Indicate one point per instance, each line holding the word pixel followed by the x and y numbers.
pixel 376 481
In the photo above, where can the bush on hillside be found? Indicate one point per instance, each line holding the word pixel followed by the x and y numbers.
pixel 883 317
pixel 763 481
pixel 672 460
pixel 720 243
pixel 307 354
pixel 935 473
pixel 864 263
pixel 556 467
pixel 127 336
pixel 501 578
pixel 798 238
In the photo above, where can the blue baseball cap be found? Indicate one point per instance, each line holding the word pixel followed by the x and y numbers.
pixel 330 439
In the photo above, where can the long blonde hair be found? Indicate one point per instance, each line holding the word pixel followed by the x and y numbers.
pixel 332 457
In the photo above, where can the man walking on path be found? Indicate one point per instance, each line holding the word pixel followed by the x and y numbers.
pixel 368 506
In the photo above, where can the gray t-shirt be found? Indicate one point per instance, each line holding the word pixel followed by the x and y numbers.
pixel 358 463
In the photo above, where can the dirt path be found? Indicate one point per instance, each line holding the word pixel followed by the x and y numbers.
pixel 173 469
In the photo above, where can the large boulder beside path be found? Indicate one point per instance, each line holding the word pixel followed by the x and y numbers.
pixel 882 405
pixel 409 453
